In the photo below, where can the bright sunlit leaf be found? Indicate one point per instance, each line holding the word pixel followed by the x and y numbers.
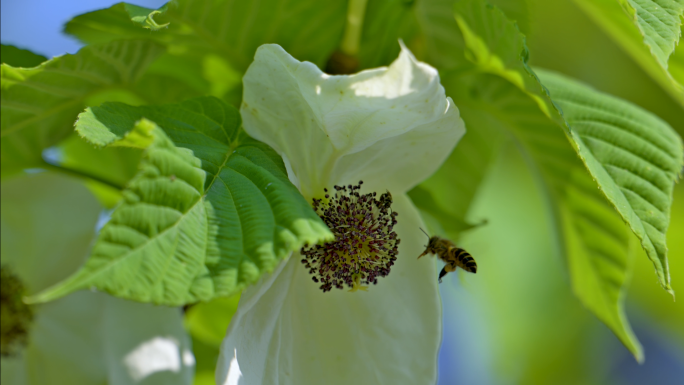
pixel 209 211
pixel 659 23
pixel 648 30
pixel 635 157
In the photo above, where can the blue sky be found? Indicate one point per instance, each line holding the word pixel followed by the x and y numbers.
pixel 37 25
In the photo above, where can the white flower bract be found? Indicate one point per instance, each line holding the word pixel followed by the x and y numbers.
pixel 85 338
pixel 392 128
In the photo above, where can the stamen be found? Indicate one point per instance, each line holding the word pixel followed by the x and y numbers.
pixel 365 245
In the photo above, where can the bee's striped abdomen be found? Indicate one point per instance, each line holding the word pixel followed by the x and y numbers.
pixel 465 261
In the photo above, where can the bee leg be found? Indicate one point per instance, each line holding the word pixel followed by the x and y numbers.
pixel 442 273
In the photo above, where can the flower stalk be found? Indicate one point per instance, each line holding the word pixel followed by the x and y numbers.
pixel 351 40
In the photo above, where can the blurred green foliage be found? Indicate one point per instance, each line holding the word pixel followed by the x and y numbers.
pixel 207 323
pixel 560 342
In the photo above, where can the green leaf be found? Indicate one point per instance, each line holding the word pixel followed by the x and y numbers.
pixel 633 155
pixel 105 171
pixel 386 22
pixel 40 105
pixel 201 220
pixel 428 28
pixel 676 63
pixel 503 93
pixel 444 46
pixel 659 23
pixel 517 11
pixel 492 48
pixel 600 254
pixel 452 224
pixel 647 30
pixel 495 45
pixel 449 193
pixel 309 30
pixel 588 233
pixel 17 57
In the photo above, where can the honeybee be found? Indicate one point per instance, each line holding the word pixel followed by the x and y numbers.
pixel 453 256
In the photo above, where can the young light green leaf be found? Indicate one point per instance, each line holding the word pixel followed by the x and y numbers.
pixel 39 105
pixel 495 45
pixel 145 16
pixel 633 155
pixel 600 254
pixel 210 210
pixel 455 184
pixel 659 23
pixel 648 30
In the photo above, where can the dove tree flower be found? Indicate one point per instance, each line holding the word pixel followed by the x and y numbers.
pixel 389 128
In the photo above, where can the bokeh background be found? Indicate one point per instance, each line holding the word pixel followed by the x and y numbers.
pixel 516 321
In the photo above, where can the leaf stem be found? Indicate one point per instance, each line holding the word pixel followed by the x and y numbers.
pixel 79 174
pixel 352 31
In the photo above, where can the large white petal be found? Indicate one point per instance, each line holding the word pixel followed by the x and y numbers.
pixel 48 222
pixel 93 338
pixel 286 331
pixel 393 126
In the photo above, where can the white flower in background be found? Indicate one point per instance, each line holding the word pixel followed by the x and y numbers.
pixel 390 128
pixel 48 223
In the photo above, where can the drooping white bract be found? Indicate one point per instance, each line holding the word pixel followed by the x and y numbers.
pixel 48 223
pixel 391 128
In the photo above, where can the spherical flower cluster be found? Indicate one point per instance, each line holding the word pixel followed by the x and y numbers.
pixel 365 245
pixel 16 315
